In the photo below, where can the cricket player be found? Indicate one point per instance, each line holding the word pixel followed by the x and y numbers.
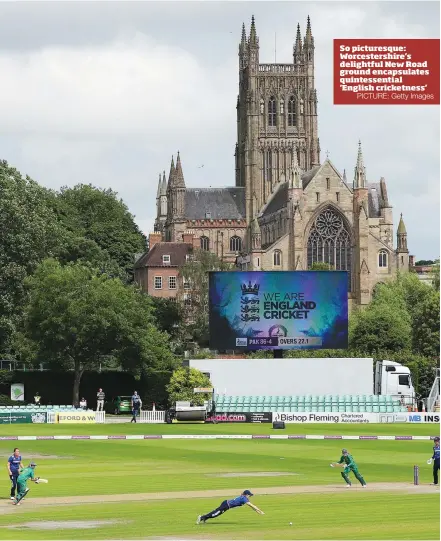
pixel 435 458
pixel 243 499
pixel 15 464
pixel 25 475
pixel 349 465
pixel 136 404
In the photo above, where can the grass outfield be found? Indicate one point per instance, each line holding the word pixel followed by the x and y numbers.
pixel 156 488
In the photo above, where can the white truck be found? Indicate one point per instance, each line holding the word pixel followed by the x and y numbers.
pixel 314 376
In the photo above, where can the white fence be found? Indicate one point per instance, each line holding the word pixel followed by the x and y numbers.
pixel 152 416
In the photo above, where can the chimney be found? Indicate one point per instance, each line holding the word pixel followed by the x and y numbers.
pixel 154 238
pixel 411 261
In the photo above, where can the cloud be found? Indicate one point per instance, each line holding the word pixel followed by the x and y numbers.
pixel 109 98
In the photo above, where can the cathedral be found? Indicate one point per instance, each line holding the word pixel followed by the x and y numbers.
pixel 288 209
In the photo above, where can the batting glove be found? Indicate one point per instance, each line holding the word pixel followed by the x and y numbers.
pixel 429 461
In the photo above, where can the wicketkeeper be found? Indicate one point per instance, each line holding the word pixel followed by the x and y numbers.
pixel 349 465
pixel 435 459
pixel 25 475
pixel 243 499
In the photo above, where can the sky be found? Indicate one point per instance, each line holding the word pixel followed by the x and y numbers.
pixel 106 92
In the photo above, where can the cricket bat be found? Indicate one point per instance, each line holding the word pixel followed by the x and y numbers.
pixel 42 480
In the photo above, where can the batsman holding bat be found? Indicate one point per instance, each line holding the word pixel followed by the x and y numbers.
pixel 25 475
pixel 243 499
pixel 347 462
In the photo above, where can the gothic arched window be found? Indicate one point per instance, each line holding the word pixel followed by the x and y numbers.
pixel 292 111
pixel 235 244
pixel 205 243
pixel 277 258
pixel 272 111
pixel 330 242
pixel 382 259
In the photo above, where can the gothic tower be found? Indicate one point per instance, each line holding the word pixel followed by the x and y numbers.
pixel 276 117
pixel 175 224
pixel 402 250
pixel 361 232
pixel 161 204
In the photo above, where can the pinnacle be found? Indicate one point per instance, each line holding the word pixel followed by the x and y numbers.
pixel 253 33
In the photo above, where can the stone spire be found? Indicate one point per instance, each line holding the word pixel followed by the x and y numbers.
pixel 253 34
pixel 163 190
pixel 158 193
pixel 345 180
pixel 295 180
pixel 309 40
pixel 179 177
pixel 401 236
pixel 171 176
pixel 360 170
pixel 243 41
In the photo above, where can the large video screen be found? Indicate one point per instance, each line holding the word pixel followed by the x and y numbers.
pixel 278 310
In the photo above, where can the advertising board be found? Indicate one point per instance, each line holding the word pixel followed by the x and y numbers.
pixel 22 417
pixel 248 417
pixel 278 310
pixel 71 417
pixel 17 392
pixel 361 418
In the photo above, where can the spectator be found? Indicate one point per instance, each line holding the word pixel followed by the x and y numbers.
pixel 83 403
pixel 136 406
pixel 117 405
pixel 100 396
pixel 37 398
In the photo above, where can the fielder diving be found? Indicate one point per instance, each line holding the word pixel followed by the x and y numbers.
pixel 347 462
pixel 243 499
pixel 25 475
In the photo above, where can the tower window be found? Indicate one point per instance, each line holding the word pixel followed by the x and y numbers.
pixel 272 112
pixel 205 243
pixel 328 184
pixel 235 244
pixel 317 195
pixel 282 106
pixel 382 259
pixel 292 112
pixel 277 258
pixel 337 195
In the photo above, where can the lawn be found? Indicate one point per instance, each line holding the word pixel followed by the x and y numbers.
pixel 133 472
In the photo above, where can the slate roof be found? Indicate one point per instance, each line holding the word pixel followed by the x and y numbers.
pixel 153 258
pixel 278 201
pixel 221 203
pixel 309 175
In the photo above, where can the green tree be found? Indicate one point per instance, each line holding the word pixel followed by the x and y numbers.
pixel 30 231
pixel 99 216
pixel 182 384
pixel 381 328
pixel 75 318
pixel 195 298
pixel 426 323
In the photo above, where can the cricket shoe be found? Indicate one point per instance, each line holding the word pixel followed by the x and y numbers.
pixel 199 520
pixel 348 486
pixel 363 486
pixel 12 497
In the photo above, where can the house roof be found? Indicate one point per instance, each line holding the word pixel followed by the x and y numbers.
pixel 221 203
pixel 153 258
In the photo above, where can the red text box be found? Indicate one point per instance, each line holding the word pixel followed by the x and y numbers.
pixel 386 71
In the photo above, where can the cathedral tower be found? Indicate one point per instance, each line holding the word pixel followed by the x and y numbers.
pixel 276 117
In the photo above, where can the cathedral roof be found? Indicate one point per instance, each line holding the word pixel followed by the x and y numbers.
pixel 221 203
pixel 278 201
pixel 309 175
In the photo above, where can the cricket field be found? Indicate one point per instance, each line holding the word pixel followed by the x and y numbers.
pixel 156 488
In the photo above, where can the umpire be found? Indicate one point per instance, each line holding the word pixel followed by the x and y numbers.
pixel 14 466
pixel 136 406
pixel 435 458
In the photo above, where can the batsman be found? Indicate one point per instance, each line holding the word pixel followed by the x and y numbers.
pixel 25 475
pixel 349 465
